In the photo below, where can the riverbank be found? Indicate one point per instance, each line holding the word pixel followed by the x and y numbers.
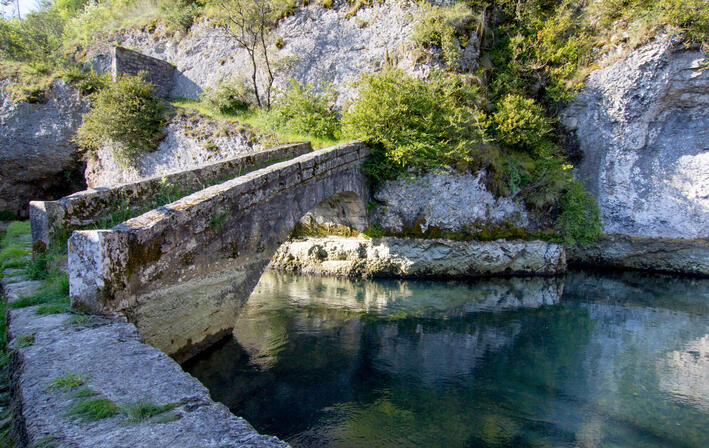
pixel 86 381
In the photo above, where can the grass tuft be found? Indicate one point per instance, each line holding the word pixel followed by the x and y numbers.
pixel 84 392
pixel 78 319
pixel 92 410
pixel 66 382
pixel 52 308
pixel 26 340
pixel 142 410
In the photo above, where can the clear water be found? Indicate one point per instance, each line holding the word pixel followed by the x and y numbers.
pixel 588 360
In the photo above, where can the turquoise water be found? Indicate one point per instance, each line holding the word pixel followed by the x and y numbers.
pixel 587 360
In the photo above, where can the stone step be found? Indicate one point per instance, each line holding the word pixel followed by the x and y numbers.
pixel 17 291
pixel 10 272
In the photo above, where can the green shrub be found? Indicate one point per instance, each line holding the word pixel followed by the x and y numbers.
pixel 579 221
pixel 35 38
pixel 300 109
pixel 87 81
pixel 412 123
pixel 230 96
pixel 181 14
pixel 69 8
pixel 126 113
pixel 521 123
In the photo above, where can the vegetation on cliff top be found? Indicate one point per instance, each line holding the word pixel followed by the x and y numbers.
pixel 498 116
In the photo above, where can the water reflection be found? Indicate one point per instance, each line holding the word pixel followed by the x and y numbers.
pixel 592 360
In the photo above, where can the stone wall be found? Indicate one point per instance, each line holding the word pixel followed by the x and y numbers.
pixel 156 71
pixel 86 207
pixel 191 264
pixel 418 258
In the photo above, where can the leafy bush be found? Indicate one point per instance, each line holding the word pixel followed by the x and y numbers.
pixel 230 96
pixel 126 113
pixel 70 8
pixel 88 82
pixel 413 123
pixel 36 38
pixel 521 123
pixel 301 109
pixel 579 220
pixel 181 14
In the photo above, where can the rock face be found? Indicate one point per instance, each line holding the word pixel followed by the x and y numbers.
pixel 37 157
pixel 447 201
pixel 642 125
pixel 418 258
pixel 190 142
pixel 319 44
pixel 650 254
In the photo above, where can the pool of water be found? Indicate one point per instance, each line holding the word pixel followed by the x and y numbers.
pixel 586 360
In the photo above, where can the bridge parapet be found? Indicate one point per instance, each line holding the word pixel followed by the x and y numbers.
pixel 85 208
pixel 200 257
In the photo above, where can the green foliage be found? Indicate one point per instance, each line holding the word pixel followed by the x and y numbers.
pixel 98 19
pixel 37 38
pixel 7 216
pixel 26 340
pixel 413 123
pixel 143 410
pixel 87 81
pixel 37 268
pixel 229 96
pixel 446 28
pixel 126 113
pixel 181 14
pixel 78 319
pixel 69 8
pixel 522 124
pixel 55 290
pixel 66 382
pixel 301 109
pixel 84 392
pixel 93 410
pixel 579 220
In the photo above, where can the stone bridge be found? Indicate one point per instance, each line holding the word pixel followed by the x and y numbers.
pixel 183 271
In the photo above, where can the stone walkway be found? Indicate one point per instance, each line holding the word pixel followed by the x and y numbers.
pixel 111 361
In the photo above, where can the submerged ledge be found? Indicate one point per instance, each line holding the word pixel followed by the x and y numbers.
pixel 418 258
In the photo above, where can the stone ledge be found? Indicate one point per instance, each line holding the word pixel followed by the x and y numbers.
pixel 117 365
pixel 672 256
pixel 419 258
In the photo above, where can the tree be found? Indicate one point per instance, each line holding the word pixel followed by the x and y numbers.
pixel 248 22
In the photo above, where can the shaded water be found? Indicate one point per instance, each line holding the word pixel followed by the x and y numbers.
pixel 582 361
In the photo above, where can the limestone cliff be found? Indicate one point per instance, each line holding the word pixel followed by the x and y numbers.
pixel 642 125
pixel 318 45
pixel 37 156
